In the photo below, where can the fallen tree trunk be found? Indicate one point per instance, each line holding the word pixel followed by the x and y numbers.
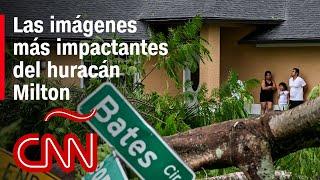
pixel 240 176
pixel 250 144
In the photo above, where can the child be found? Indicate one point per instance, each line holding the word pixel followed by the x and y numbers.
pixel 283 96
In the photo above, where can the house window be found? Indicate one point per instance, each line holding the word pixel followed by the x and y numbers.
pixel 85 81
pixel 194 77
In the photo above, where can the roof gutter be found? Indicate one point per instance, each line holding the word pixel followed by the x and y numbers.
pixel 294 42
pixel 215 19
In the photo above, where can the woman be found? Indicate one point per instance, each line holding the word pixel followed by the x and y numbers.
pixel 268 86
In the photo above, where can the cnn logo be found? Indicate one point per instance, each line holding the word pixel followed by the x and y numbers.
pixel 50 148
pixel 2 57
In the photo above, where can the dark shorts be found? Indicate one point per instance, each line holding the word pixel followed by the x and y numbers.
pixel 266 97
pixel 294 104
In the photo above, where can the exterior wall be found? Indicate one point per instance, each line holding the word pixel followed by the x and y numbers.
pixel 251 61
pixel 158 81
pixel 210 70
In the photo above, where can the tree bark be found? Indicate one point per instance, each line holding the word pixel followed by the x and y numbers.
pixel 283 175
pixel 250 144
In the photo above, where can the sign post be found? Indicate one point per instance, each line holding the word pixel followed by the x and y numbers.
pixel 135 141
pixel 109 169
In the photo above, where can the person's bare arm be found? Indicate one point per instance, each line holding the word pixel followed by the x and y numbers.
pixel 278 97
pixel 274 86
pixel 305 88
pixel 304 84
pixel 289 94
pixel 263 85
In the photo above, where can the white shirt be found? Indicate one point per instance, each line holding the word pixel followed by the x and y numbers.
pixel 296 88
pixel 283 97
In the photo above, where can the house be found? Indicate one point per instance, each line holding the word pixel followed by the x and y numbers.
pixel 247 36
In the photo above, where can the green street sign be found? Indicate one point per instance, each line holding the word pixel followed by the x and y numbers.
pixel 109 169
pixel 134 140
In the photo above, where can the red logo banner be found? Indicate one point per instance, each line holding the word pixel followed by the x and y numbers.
pixel 2 57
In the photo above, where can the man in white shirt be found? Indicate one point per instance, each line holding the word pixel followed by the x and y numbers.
pixel 297 88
